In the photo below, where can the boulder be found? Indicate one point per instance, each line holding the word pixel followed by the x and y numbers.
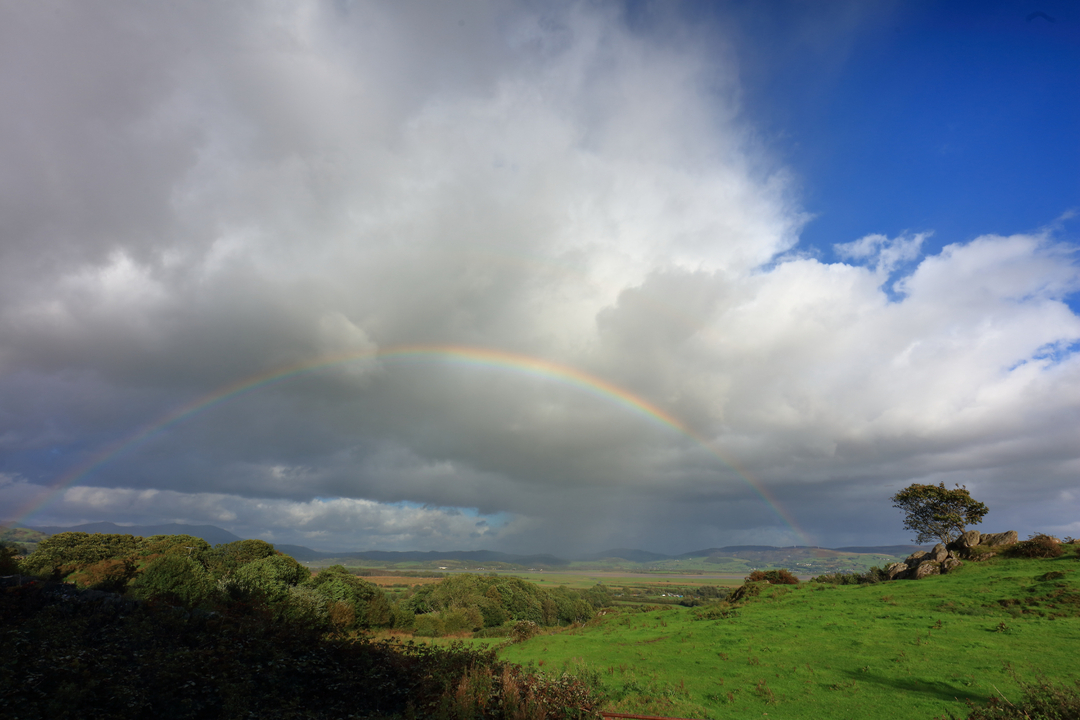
pixel 895 570
pixel 939 553
pixel 996 539
pixel 925 569
pixel 965 542
pixel 969 539
pixel 915 558
pixel 949 564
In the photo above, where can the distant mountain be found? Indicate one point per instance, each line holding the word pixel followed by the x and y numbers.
pixel 303 554
pixel 209 533
pixel 216 536
pixel 730 549
pixel 885 549
pixel 478 556
pixel 641 556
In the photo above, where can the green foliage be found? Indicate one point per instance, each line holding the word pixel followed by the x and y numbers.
pixel 71 656
pixel 368 606
pixel 175 579
pixel 64 553
pixel 186 545
pixel 9 559
pixel 935 512
pixel 1037 546
pixel 224 559
pixel 871 576
pixel 304 606
pixel 271 577
pixel 773 577
pixel 487 601
pixel 110 575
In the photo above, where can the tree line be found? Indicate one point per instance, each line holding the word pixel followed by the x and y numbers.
pixel 186 571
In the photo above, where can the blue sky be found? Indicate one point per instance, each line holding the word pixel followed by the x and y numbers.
pixel 958 118
pixel 831 242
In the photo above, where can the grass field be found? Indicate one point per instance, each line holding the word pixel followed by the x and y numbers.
pixel 901 649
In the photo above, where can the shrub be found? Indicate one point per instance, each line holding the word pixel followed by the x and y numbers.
pixel 306 607
pixel 110 575
pixel 427 625
pixel 175 579
pixel 67 552
pixel 745 592
pixel 773 577
pixel 1037 546
pixel 369 603
pixel 871 576
pixel 271 577
pixel 523 630
pixel 716 611
pixel 9 563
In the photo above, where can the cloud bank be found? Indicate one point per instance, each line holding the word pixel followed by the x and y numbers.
pixel 198 196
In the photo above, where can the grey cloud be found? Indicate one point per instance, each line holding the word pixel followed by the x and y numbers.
pixel 231 191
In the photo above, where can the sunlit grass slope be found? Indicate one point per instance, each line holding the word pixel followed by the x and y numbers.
pixel 903 649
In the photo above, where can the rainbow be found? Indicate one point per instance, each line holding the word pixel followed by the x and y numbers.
pixel 476 356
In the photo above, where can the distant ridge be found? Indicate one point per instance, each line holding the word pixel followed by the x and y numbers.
pixel 216 536
pixel 729 549
pixel 625 554
pixel 479 556
pixel 885 549
pixel 210 533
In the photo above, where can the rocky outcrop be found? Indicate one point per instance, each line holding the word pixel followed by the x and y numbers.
pixel 895 570
pixel 925 568
pixel 972 545
pixel 969 539
pixel 996 539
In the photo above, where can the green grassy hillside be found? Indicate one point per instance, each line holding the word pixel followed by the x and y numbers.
pixel 902 649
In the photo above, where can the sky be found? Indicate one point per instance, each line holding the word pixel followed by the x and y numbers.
pixel 539 276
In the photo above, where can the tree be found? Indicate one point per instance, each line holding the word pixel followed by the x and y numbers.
pixel 176 578
pixel 937 512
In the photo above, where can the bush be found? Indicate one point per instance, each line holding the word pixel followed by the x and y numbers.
pixel 369 604
pixel 108 575
pixel 523 630
pixel 745 592
pixel 271 577
pixel 773 577
pixel 1037 546
pixel 9 563
pixel 871 576
pixel 427 625
pixel 174 579
pixel 66 552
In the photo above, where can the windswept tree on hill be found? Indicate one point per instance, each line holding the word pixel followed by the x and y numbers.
pixel 935 512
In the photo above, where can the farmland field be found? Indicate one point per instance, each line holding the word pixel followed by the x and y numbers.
pixel 903 649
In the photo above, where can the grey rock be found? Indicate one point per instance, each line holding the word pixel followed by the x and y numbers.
pixel 895 570
pixel 969 539
pixel 939 553
pixel 950 564
pixel 996 539
pixel 915 558
pixel 926 568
